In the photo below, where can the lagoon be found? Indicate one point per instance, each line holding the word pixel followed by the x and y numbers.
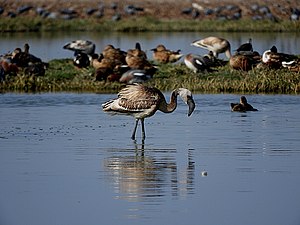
pixel 64 161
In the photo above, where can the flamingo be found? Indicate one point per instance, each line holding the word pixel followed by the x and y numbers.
pixel 215 44
pixel 142 101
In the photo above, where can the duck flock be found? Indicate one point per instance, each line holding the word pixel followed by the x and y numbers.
pixel 133 66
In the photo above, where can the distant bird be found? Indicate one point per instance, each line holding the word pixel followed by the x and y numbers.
pixel 215 44
pixel 115 54
pixel 243 106
pixel 81 60
pixel 274 59
pixel 135 76
pixel 293 65
pixel 141 102
pixel 244 61
pixel 246 47
pixel 163 55
pixel 24 58
pixel 198 63
pixel 7 68
pixel 137 59
pixel 137 51
pixel 81 46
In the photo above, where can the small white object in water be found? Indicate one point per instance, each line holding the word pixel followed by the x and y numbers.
pixel 204 173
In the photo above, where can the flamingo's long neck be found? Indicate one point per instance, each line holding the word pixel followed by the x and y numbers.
pixel 170 107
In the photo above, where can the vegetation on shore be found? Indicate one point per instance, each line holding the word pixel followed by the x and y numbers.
pixel 144 24
pixel 62 75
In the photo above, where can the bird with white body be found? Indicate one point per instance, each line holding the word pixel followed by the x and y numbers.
pixel 142 101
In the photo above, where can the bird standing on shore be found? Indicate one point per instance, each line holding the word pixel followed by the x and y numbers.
pixel 141 102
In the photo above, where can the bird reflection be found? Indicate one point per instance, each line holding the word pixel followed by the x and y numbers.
pixel 139 177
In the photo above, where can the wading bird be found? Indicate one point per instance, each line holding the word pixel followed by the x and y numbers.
pixel 215 44
pixel 141 102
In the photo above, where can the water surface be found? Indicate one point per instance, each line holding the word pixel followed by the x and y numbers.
pixel 64 161
pixel 48 46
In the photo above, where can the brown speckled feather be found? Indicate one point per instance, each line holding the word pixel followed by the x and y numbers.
pixel 139 97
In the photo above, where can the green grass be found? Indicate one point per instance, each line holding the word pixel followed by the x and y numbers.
pixel 144 24
pixel 63 76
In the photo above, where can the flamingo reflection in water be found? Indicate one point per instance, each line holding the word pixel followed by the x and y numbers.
pixel 141 102
pixel 139 177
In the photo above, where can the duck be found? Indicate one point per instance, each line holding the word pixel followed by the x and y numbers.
pixel 215 44
pixel 243 106
pixel 137 59
pixel 81 60
pixel 244 61
pixel 137 51
pixel 104 68
pixel 116 54
pixel 135 76
pixel 198 63
pixel 163 55
pixel 81 46
pixel 246 47
pixel 293 65
pixel 24 58
pixel 7 68
pixel 273 59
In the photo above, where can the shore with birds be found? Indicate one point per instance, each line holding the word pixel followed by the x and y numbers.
pixel 244 70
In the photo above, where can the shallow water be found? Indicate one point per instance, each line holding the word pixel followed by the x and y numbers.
pixel 48 46
pixel 64 161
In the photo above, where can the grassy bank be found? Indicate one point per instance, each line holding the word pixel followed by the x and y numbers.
pixel 63 76
pixel 38 24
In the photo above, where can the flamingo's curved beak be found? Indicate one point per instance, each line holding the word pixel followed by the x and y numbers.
pixel 191 104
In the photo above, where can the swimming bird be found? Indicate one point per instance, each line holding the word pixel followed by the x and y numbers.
pixel 141 102
pixel 81 46
pixel 163 55
pixel 246 47
pixel 215 44
pixel 198 63
pixel 243 106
